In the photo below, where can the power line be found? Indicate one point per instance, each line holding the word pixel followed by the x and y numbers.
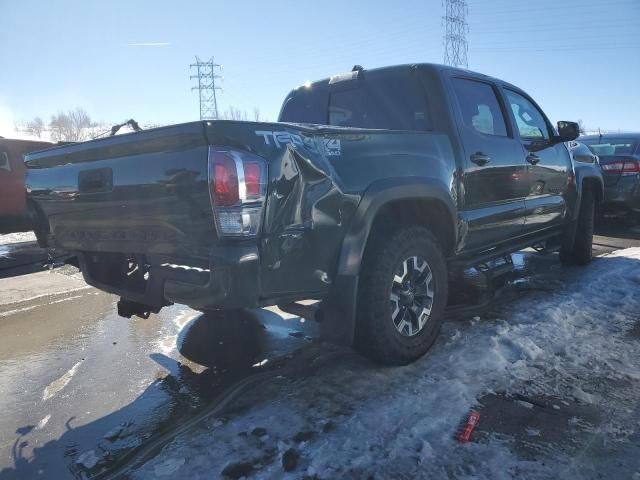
pixel 615 28
pixel 206 75
pixel 576 49
pixel 576 9
pixel 456 28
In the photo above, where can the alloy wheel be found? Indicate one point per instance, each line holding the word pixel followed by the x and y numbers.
pixel 411 296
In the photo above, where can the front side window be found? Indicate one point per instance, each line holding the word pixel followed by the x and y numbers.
pixel 479 107
pixel 530 121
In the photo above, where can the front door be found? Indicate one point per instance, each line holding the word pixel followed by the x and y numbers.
pixel 494 170
pixel 549 166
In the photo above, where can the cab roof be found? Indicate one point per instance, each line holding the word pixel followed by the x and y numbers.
pixel 425 67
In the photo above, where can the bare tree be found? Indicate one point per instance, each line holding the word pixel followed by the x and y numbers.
pixel 581 127
pixel 73 126
pixel 233 113
pixel 35 127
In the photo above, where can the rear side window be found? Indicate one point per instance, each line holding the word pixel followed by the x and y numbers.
pixel 306 105
pixel 479 107
pixel 392 102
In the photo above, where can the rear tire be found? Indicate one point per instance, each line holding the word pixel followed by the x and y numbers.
pixel 402 296
pixel 581 252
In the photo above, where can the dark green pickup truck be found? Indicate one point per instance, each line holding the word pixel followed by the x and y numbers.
pixel 373 186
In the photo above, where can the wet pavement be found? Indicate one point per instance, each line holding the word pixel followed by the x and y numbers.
pixel 82 389
pixel 613 234
pixel 81 386
pixel 22 258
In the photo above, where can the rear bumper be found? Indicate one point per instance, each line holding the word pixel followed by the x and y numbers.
pixel 229 279
pixel 233 281
pixel 625 194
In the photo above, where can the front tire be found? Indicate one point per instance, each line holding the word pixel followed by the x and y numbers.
pixel 402 296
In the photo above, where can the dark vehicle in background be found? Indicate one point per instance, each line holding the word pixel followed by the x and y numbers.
pixel 372 191
pixel 14 215
pixel 619 156
pixel 581 153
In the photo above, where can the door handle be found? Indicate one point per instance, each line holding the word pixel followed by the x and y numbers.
pixel 533 159
pixel 480 158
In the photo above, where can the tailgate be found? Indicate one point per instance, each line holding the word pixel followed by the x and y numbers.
pixel 137 193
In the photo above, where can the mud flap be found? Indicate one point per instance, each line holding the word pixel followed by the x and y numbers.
pixel 338 323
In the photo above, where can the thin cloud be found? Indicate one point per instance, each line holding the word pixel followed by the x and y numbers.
pixel 149 44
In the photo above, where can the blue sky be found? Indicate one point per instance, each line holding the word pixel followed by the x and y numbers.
pixel 580 59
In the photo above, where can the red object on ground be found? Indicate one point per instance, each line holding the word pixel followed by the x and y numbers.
pixel 472 422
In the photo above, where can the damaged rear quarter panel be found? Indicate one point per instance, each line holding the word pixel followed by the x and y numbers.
pixel 317 177
pixel 306 217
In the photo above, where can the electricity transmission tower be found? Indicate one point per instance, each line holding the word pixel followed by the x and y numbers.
pixel 207 87
pixel 455 37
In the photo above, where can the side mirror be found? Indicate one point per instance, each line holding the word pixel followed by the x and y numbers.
pixel 568 131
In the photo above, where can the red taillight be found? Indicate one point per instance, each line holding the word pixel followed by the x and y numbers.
pixel 238 185
pixel 253 180
pixel 224 188
pixel 613 167
pixel 629 166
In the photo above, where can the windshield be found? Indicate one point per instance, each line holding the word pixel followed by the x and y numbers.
pixel 611 146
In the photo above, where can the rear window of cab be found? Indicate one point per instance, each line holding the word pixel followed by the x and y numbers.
pixel 390 101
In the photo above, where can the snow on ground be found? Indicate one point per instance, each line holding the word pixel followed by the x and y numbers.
pixel 7 240
pixel 568 352
pixel 17 237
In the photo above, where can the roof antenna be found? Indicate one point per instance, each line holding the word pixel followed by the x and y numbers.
pixel 599 135
pixel 357 68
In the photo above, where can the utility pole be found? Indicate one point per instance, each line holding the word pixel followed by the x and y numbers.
pixel 206 75
pixel 455 37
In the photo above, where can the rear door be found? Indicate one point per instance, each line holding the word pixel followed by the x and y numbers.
pixel 494 167
pixel 548 168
